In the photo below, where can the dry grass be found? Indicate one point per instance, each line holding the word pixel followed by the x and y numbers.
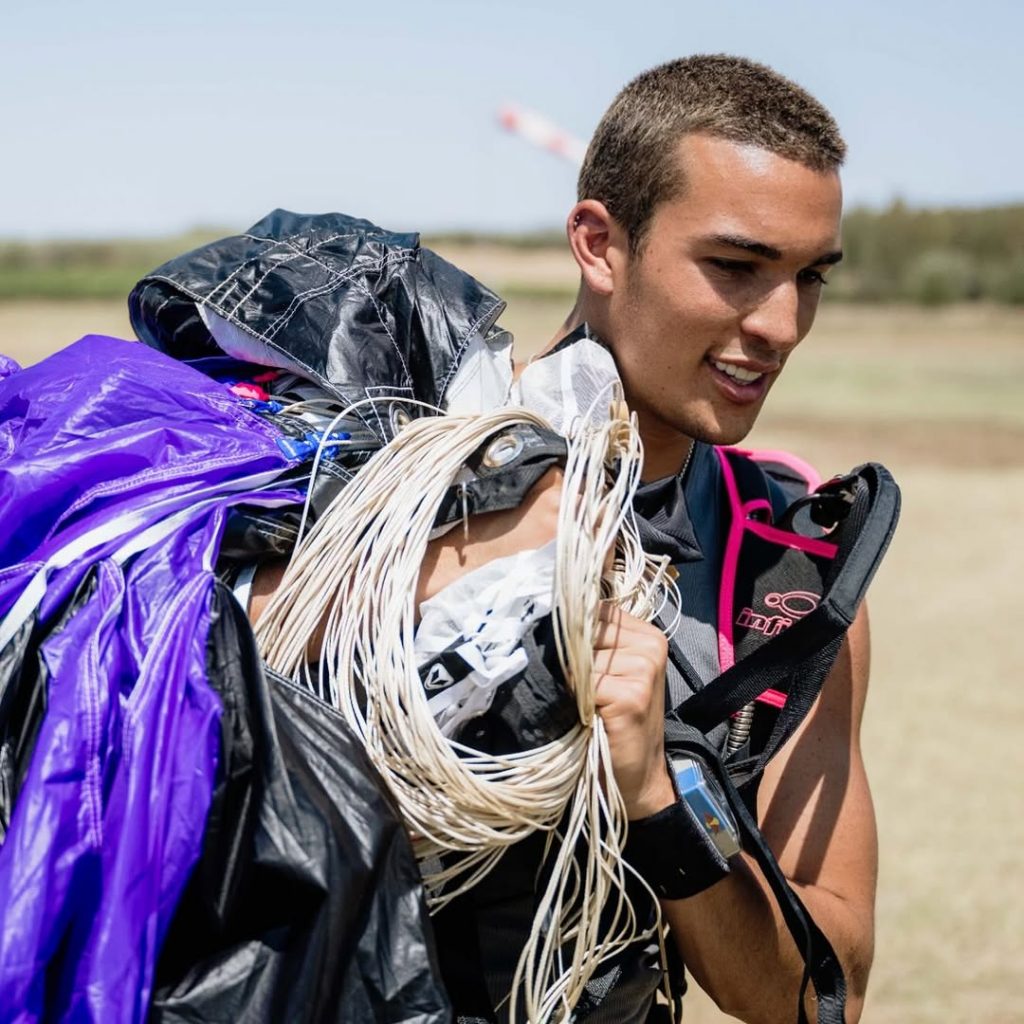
pixel 31 329
pixel 937 398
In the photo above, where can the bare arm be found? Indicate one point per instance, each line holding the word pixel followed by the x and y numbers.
pixel 815 811
pixel 489 536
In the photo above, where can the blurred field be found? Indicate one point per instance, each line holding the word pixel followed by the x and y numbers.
pixel 936 396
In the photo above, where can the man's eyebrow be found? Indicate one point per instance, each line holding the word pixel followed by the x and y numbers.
pixel 748 244
pixel 769 252
pixel 830 258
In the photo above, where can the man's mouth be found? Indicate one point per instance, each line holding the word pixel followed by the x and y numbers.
pixel 740 384
pixel 738 373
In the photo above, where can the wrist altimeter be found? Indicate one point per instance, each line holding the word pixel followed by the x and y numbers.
pixel 685 847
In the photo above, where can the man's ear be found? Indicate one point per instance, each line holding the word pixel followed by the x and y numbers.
pixel 598 245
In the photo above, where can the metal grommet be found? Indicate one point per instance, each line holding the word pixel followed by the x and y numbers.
pixel 400 418
pixel 505 448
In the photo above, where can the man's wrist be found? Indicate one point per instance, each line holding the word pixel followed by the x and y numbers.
pixel 672 854
pixel 658 795
pixel 670 848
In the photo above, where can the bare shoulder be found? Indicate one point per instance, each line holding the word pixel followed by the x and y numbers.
pixel 487 536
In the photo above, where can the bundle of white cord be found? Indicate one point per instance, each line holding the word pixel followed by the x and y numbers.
pixel 359 566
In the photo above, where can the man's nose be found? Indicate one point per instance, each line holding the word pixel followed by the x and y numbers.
pixel 775 320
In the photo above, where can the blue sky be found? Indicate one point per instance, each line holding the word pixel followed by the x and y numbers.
pixel 139 119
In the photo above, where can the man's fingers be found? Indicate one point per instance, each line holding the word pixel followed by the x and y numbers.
pixel 617 628
pixel 627 696
pixel 611 614
pixel 620 661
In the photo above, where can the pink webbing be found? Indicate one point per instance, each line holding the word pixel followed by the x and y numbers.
pixel 739 521
pixel 774 698
pixel 730 561
pixel 812 545
pixel 788 459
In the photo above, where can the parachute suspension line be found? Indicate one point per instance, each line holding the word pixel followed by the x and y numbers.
pixel 357 568
pixel 327 444
pixel 598 556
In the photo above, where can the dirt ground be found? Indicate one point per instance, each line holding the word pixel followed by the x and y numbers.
pixel 938 398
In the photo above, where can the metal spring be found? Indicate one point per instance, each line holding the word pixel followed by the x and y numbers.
pixel 739 729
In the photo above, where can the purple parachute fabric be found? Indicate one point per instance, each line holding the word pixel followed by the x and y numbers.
pixel 143 428
pixel 8 366
pixel 118 461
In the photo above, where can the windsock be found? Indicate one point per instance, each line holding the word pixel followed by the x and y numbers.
pixel 541 132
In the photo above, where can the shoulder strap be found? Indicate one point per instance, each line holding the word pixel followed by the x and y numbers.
pixel 858 513
pixel 788 470
pixel 865 506
pixel 747 497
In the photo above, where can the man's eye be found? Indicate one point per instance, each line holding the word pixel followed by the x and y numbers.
pixel 812 277
pixel 732 266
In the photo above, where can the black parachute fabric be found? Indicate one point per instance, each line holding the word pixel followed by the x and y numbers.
pixel 306 904
pixel 356 308
pixel 378 322
pixel 24 687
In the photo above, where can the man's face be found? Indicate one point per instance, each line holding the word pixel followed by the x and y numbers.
pixel 726 284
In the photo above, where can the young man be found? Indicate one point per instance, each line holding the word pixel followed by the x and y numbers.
pixel 707 221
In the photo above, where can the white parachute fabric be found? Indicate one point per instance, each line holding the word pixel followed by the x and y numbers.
pixel 482 617
pixel 576 384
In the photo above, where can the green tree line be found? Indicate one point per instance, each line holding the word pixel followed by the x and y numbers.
pixel 932 257
pixel 900 254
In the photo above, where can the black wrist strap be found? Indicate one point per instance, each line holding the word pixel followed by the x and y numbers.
pixel 672 853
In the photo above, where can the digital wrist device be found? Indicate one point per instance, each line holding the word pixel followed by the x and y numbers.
pixel 705 798
pixel 685 848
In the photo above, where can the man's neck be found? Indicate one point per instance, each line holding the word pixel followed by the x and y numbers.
pixel 665 450
pixel 572 321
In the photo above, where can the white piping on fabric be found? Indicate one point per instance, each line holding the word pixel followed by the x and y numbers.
pixel 243 585
pixel 240 344
pixel 35 590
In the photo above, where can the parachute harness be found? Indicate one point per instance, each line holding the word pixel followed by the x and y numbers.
pixel 358 567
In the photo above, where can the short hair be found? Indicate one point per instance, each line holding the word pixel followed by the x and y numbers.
pixel 631 163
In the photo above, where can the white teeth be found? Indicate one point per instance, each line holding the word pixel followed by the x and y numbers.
pixel 743 376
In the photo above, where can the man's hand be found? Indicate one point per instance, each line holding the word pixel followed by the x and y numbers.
pixel 629 675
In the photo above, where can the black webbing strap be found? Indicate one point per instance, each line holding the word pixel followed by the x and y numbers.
pixel 493 485
pixel 751 479
pixel 769 667
pixel 821 965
